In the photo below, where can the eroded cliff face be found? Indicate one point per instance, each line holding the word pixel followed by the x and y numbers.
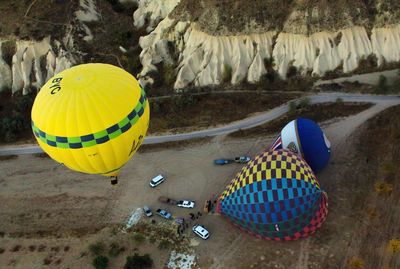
pixel 207 42
pixel 28 63
pixel 215 37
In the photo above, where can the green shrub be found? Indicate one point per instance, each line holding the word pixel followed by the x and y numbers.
pixel 138 262
pixel 304 102
pixel 138 238
pixel 164 244
pixel 152 239
pixel 169 74
pixel 8 49
pixel 10 127
pixel 97 248
pixel 382 84
pixel 388 168
pixel 227 73
pixel 100 262
pixel 292 72
pixel 115 250
pixel 292 106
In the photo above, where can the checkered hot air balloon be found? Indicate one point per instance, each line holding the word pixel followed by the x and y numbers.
pixel 276 197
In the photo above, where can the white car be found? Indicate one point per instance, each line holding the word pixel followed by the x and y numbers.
pixel 201 231
pixel 185 204
pixel 147 211
pixel 157 181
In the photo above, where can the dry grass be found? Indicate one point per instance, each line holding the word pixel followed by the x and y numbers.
pixel 355 263
pixel 175 144
pixel 8 157
pixel 394 246
pixel 317 112
pixel 382 187
pixel 201 111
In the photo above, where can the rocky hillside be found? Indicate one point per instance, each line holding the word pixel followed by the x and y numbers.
pixel 41 38
pixel 215 40
pixel 196 43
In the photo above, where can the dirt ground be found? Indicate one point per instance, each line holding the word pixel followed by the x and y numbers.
pixel 49 215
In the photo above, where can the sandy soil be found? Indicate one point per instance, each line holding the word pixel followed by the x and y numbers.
pixel 43 204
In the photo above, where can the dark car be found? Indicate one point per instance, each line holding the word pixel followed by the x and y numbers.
pixel 222 161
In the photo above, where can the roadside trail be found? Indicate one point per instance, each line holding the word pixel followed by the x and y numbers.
pixel 383 101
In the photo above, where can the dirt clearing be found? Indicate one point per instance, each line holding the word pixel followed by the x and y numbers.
pixel 45 204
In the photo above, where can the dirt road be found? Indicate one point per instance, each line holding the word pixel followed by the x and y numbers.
pixel 45 204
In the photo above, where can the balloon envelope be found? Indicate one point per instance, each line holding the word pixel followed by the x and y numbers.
pixel 305 137
pixel 91 117
pixel 276 197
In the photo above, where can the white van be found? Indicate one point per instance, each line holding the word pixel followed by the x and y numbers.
pixel 201 231
pixel 156 181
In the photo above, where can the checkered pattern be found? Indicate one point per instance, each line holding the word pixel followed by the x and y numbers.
pixel 97 138
pixel 276 196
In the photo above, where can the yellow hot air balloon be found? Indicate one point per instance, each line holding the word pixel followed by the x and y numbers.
pixel 92 118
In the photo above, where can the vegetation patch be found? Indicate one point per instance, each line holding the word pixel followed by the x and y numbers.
pixel 138 261
pixel 175 144
pixel 8 157
pixel 100 262
pixel 96 248
pixel 209 109
pixel 316 112
pixel 15 117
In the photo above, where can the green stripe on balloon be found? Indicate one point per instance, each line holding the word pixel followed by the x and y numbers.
pixel 97 138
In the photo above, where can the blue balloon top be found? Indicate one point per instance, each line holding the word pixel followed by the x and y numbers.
pixel 314 145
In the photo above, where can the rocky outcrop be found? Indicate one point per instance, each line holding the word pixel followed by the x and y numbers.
pixel 87 13
pixel 34 62
pixel 314 37
pixel 5 71
pixel 152 12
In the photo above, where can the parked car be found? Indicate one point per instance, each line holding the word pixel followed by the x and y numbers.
pixel 207 206
pixel 242 159
pixel 222 161
pixel 185 204
pixel 201 231
pixel 163 213
pixel 157 181
pixel 164 199
pixel 147 211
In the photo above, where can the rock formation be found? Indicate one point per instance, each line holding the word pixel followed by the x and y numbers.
pixel 33 62
pixel 212 38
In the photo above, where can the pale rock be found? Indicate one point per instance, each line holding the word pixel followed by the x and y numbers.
pixel 89 36
pixel 5 73
pixel 152 11
pixel 50 64
pixel 154 51
pixel 354 46
pixel 385 44
pixel 27 61
pixel 206 59
pixel 327 58
pixel 203 59
pixel 88 11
